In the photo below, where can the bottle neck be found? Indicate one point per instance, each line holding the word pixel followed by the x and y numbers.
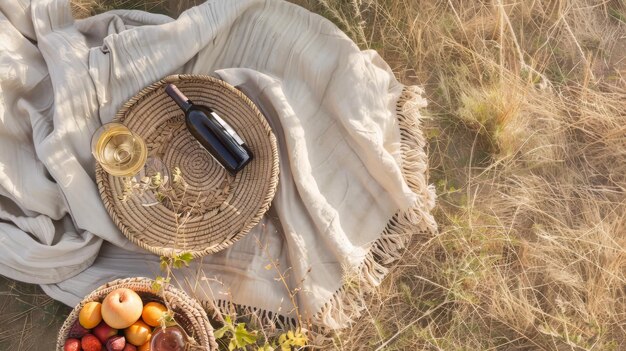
pixel 181 100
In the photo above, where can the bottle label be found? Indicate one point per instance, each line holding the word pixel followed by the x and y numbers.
pixel 228 129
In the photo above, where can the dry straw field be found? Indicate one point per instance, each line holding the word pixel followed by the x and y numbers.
pixel 527 144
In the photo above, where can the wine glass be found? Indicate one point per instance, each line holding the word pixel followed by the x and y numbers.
pixel 118 150
pixel 123 153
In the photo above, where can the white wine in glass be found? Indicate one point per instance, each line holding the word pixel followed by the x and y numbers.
pixel 119 151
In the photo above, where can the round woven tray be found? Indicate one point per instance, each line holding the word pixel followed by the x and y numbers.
pixel 187 312
pixel 217 208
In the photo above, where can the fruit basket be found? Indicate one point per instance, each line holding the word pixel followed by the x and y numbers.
pixel 187 313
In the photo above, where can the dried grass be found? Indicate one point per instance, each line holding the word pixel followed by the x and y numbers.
pixel 528 151
pixel 29 319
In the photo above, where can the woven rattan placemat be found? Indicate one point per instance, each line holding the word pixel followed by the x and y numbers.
pixel 215 209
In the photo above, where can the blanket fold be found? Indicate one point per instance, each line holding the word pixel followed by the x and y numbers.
pixel 353 184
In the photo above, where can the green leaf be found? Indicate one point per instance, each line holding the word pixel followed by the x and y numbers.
pixel 160 197
pixel 186 257
pixel 159 282
pixel 243 337
pixel 165 261
pixel 220 332
pixel 266 347
pixel 156 180
pixel 177 175
pixel 232 345
pixel 291 338
pixel 299 339
pixel 181 260
pixel 167 319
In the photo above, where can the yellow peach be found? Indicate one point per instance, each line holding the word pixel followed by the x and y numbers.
pixel 138 334
pixel 144 347
pixel 90 315
pixel 152 313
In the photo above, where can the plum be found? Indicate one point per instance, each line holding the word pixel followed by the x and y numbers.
pixel 116 343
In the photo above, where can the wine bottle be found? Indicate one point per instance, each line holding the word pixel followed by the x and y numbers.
pixel 215 135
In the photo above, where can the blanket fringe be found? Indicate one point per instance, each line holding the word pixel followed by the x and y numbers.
pixel 348 302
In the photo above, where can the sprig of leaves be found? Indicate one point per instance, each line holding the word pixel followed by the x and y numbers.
pixel 177 176
pixel 291 339
pixel 177 261
pixel 159 283
pixel 167 263
pixel 239 336
pixel 157 183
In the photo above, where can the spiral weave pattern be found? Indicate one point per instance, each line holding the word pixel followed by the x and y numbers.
pixel 217 208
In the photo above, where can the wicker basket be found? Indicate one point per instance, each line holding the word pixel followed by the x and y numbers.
pixel 188 312
pixel 225 207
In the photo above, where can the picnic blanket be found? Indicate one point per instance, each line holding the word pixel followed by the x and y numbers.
pixel 352 187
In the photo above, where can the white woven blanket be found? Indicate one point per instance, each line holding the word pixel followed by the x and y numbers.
pixel 352 183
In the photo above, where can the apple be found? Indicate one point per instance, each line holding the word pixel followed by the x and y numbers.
pixel 103 331
pixel 116 343
pixel 130 347
pixel 72 345
pixel 121 308
pixel 90 343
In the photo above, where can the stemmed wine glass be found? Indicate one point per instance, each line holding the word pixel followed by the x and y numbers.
pixel 122 153
pixel 118 150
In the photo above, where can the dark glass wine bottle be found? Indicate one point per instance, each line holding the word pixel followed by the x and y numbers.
pixel 212 132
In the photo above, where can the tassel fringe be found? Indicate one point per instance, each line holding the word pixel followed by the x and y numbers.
pixel 348 302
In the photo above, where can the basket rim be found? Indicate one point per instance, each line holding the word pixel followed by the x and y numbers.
pixel 265 202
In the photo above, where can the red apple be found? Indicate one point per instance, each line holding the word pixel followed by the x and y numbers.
pixel 72 345
pixel 103 331
pixel 121 308
pixel 130 347
pixel 90 343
